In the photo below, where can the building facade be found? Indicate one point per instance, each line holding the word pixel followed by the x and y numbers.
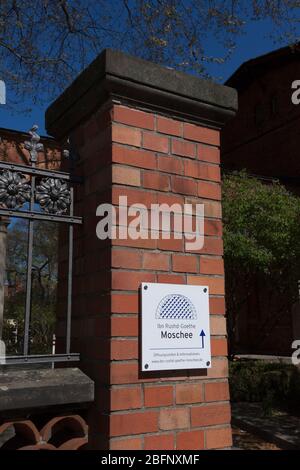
pixel 264 138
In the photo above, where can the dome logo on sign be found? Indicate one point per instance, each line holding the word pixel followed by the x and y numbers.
pixel 176 307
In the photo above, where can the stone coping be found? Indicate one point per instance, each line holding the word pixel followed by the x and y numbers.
pixel 34 388
pixel 120 76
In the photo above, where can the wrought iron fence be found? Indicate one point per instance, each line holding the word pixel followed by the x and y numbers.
pixel 36 194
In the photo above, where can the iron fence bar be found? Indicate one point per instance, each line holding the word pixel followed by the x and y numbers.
pixel 40 172
pixel 46 194
pixel 70 276
pixel 39 359
pixel 39 216
pixel 29 273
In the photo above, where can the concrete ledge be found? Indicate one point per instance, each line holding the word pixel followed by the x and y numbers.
pixel 24 389
pixel 265 358
pixel 114 74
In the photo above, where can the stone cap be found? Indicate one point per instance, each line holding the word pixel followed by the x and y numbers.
pixel 120 76
pixel 26 389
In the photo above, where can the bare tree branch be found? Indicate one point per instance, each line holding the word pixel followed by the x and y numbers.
pixel 44 44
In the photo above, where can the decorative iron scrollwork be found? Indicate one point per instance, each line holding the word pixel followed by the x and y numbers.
pixel 53 195
pixel 33 145
pixel 14 189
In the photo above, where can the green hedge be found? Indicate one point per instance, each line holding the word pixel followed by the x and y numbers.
pixel 273 384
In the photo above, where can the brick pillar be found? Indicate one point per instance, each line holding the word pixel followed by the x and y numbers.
pixel 151 134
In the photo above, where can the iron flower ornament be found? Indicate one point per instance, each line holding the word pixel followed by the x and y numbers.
pixel 14 189
pixel 53 195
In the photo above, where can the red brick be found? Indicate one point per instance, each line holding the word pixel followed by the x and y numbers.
pixel 209 190
pixel 217 305
pixel 174 418
pixel 126 444
pixel 218 438
pixel 170 245
pixel 155 142
pixel 159 442
pixel 124 326
pixel 123 373
pixel 218 370
pixel 133 157
pixel 212 246
pixel 211 265
pixel 169 199
pixel 213 227
pixel 178 376
pixel 134 196
pixel 156 261
pixel 188 393
pixel 158 396
pixel 133 117
pixel 184 186
pixel 128 280
pixel 183 148
pixel 202 171
pixel 210 415
pixel 126 259
pixel 124 349
pixel 216 391
pixel 171 278
pixel 155 180
pixel 133 423
pixel 219 347
pixel 126 176
pixel 201 134
pixel 190 440
pixel 124 303
pixel 125 398
pixel 185 263
pixel 218 325
pixel 212 208
pixel 146 243
pixel 126 135
pixel 169 126
pixel 170 165
pixel 215 284
pixel 208 154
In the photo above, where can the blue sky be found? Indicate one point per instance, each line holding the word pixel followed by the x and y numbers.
pixel 256 41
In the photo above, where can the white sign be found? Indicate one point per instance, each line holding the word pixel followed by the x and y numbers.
pixel 175 327
pixel 2 92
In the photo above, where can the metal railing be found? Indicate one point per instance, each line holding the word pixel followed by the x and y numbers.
pixel 32 193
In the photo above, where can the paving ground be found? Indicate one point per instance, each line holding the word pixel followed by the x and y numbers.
pixel 280 429
pixel 243 440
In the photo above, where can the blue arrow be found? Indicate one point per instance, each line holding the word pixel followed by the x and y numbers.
pixel 202 334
